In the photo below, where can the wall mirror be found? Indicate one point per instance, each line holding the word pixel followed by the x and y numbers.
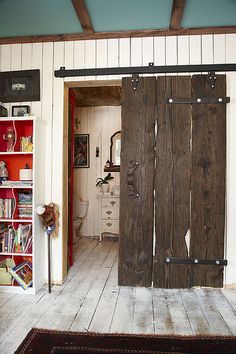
pixel 115 149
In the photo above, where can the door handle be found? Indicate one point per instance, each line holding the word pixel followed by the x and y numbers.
pixel 132 192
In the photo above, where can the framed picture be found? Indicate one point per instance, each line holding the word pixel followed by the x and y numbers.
pixel 81 150
pixel 20 86
pixel 19 111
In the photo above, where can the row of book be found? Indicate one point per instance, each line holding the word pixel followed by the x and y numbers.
pixel 26 144
pixel 6 208
pixel 25 200
pixel 15 240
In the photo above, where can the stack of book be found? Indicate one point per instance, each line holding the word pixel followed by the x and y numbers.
pixel 15 241
pixel 22 273
pixel 6 208
pixel 26 143
pixel 25 204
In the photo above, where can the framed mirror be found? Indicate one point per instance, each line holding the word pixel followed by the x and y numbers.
pixel 115 149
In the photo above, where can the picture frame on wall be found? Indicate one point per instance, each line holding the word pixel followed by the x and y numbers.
pixel 81 151
pixel 20 111
pixel 20 86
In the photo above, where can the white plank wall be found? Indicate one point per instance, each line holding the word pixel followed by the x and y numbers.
pixel 123 52
pixel 100 123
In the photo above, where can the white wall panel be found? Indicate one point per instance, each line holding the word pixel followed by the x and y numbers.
pixel 121 52
pixel 37 63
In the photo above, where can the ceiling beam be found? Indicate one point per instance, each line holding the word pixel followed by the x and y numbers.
pixel 176 14
pixel 121 34
pixel 83 15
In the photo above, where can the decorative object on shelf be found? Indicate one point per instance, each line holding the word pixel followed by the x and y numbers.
pixel 20 86
pixel 81 150
pixel 3 112
pixel 10 138
pixel 5 265
pixel 26 174
pixel 20 111
pixel 3 172
pixel 22 273
pixel 49 217
pixel 26 143
pixel 107 164
pixel 103 182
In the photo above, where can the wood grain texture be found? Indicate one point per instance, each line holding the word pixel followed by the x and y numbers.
pixel 83 15
pixel 177 14
pixel 172 180
pixel 208 181
pixel 136 215
pixel 120 34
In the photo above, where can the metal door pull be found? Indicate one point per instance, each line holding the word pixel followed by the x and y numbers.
pixel 132 192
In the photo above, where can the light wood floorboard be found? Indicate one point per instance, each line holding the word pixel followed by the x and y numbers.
pixel 91 300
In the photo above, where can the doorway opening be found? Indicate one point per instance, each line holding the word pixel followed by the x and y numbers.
pixel 92 117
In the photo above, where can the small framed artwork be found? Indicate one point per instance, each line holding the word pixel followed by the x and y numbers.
pixel 20 86
pixel 81 150
pixel 19 111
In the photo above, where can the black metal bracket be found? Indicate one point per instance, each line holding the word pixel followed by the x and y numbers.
pixel 212 79
pixel 196 261
pixel 198 100
pixel 150 69
pixel 135 81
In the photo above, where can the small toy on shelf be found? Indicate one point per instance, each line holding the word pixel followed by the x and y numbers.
pixel 10 138
pixel 3 172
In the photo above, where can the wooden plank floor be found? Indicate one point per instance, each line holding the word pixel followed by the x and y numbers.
pixel 91 300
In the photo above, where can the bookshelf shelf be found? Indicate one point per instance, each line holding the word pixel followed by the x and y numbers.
pixel 16 254
pixel 22 239
pixel 16 153
pixel 16 220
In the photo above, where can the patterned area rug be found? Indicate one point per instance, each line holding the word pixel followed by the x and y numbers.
pixel 42 341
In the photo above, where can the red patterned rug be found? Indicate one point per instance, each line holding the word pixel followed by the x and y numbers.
pixel 42 341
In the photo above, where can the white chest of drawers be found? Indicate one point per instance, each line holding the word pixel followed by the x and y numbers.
pixel 109 206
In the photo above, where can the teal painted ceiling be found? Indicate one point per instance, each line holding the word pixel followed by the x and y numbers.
pixel 51 17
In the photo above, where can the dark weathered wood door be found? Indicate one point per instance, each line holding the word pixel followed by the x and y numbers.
pixel 136 213
pixel 180 179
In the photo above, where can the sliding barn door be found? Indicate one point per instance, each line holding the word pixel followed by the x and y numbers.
pixel 173 164
pixel 137 174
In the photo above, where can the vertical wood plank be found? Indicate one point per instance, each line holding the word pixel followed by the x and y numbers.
pixel 148 51
pixel 90 56
pixel 101 56
pixel 37 63
pixel 208 181
pixel 136 52
pixel 26 63
pixel 124 52
pixel 219 49
pixel 160 52
pixel 79 58
pixel 207 49
pixel 112 55
pixel 172 197
pixel 195 50
pixel 231 162
pixel 171 50
pixel 6 65
pixel 136 215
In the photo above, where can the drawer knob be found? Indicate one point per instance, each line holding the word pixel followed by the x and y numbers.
pixel 108 224
pixel 113 202
pixel 108 212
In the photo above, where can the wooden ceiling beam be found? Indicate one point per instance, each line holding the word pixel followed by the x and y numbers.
pixel 83 15
pixel 121 34
pixel 176 14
